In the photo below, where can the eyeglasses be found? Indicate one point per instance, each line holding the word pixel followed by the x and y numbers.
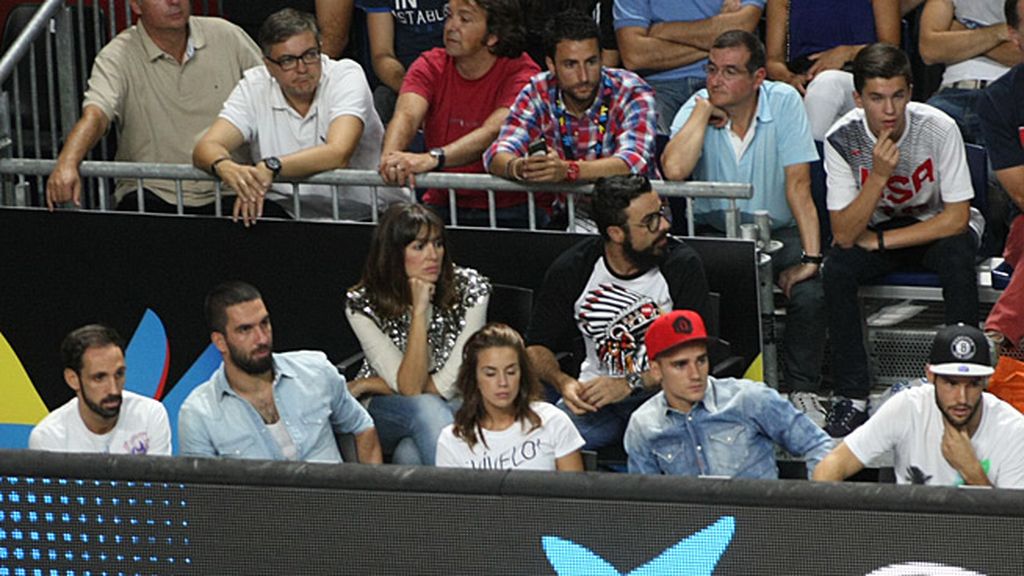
pixel 289 62
pixel 730 73
pixel 653 220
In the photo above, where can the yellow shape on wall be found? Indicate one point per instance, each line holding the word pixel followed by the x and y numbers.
pixel 755 371
pixel 21 403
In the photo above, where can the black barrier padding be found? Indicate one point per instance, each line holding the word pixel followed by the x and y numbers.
pixel 214 517
pixel 65 269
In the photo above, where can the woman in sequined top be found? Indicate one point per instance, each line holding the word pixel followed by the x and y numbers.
pixel 412 311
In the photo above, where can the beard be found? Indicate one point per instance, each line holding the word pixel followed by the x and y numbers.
pixel 250 366
pixel 648 257
pixel 99 410
pixel 963 424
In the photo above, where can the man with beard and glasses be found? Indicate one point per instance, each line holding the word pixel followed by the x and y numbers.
pixel 608 290
pixel 103 417
pixel 259 404
pixel 743 128
pixel 949 432
pixel 593 121
pixel 301 113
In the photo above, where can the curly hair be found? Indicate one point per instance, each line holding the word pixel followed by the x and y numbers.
pixel 467 419
pixel 612 196
pixel 505 22
pixel 384 278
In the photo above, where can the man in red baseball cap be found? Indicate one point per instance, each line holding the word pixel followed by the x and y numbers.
pixel 699 425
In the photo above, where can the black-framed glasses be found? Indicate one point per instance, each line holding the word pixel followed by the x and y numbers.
pixel 653 220
pixel 289 62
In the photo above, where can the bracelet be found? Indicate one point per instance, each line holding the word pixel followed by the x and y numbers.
pixel 516 175
pixel 572 172
pixel 881 240
pixel 806 258
pixel 213 165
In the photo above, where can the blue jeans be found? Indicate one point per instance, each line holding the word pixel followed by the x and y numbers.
pixel 420 417
pixel 959 103
pixel 669 97
pixel 846 269
pixel 803 344
pixel 606 426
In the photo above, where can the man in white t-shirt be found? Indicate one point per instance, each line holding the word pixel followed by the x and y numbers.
pixel 899 196
pixel 946 433
pixel 302 113
pixel 102 417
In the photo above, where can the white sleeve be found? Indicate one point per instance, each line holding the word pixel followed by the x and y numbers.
pixel 565 438
pixel 238 109
pixel 883 432
pixel 841 182
pixel 954 176
pixel 350 94
pixel 159 431
pixel 41 439
pixel 444 379
pixel 446 448
pixel 382 354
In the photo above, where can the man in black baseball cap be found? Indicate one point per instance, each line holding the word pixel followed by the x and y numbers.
pixel 948 432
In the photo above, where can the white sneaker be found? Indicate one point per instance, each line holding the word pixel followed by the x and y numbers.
pixel 810 405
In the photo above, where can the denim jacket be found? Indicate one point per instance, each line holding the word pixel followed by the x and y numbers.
pixel 732 432
pixel 312 400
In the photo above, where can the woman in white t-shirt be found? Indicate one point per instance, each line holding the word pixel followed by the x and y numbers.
pixel 501 424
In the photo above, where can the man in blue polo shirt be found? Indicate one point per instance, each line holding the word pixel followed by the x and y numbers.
pixel 667 42
pixel 743 128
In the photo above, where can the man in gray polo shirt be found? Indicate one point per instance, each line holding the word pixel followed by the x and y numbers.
pixel 162 81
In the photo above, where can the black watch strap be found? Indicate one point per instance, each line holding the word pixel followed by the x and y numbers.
pixel 806 258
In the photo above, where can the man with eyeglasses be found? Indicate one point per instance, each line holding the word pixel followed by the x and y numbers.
pixel 608 289
pixel 161 82
pixel 301 114
pixel 593 121
pixel 743 128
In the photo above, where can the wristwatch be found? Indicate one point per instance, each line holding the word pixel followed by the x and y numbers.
pixel 636 382
pixel 273 163
pixel 438 154
pixel 806 258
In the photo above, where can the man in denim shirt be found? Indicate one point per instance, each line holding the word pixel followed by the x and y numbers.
pixel 703 426
pixel 268 406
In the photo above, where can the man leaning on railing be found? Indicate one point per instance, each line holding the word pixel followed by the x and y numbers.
pixel 163 81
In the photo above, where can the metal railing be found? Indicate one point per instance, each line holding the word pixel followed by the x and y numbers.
pixel 337 179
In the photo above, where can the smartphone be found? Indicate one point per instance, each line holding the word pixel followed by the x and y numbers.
pixel 537 147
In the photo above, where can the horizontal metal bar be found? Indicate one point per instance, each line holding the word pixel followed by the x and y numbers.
pixel 370 178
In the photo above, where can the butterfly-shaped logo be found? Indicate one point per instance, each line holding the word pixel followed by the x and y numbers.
pixel 697 555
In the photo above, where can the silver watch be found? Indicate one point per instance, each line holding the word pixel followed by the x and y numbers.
pixel 636 382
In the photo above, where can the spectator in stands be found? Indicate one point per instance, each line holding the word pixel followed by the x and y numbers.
pixel 1001 112
pixel 699 425
pixel 593 121
pixel 334 19
pixel 669 41
pixel 502 424
pixel 946 433
pixel 302 113
pixel 460 94
pixel 102 417
pixel 413 311
pixel 971 38
pixel 608 290
pixel 163 81
pixel 399 31
pixel 743 128
pixel 899 194
pixel 263 405
pixel 539 12
pixel 810 44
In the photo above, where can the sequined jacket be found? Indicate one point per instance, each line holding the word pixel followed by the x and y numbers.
pixel 384 340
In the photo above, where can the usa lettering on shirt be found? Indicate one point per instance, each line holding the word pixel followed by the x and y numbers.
pixel 900 189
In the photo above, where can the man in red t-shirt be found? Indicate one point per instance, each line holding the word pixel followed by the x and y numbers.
pixel 460 95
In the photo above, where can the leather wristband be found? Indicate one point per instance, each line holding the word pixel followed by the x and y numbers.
pixel 881 240
pixel 806 258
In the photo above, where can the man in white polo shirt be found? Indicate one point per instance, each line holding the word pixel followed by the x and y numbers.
pixel 302 113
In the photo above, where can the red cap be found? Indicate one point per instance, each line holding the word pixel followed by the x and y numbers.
pixel 672 329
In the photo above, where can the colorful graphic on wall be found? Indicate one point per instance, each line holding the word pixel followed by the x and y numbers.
pixel 147 358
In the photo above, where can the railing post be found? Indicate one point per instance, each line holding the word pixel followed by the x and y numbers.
pixel 66 66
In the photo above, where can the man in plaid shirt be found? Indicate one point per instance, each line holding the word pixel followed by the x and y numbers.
pixel 593 121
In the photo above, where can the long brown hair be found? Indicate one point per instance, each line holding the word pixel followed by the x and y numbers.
pixel 468 418
pixel 384 278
